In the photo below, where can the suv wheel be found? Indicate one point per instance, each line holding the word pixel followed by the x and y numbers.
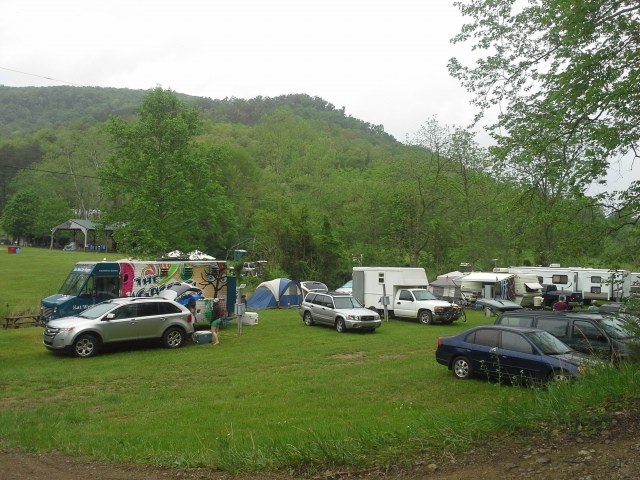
pixel 340 326
pixel 173 337
pixel 308 319
pixel 86 345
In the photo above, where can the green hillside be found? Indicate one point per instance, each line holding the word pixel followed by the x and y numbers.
pixel 306 187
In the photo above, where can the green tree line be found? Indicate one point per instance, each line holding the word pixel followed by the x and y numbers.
pixel 292 180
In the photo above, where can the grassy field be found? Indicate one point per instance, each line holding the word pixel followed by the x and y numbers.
pixel 278 396
pixel 35 273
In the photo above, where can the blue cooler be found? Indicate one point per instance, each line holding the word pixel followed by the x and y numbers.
pixel 202 337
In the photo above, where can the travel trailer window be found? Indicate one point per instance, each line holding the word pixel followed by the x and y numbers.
pixel 596 280
pixel 560 279
pixel 596 290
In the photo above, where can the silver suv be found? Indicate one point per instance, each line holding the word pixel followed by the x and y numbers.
pixel 339 310
pixel 118 320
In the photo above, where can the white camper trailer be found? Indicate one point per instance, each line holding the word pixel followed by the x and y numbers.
pixel 521 288
pixel 593 283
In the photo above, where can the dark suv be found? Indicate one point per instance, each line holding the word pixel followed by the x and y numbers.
pixel 605 336
pixel 118 320
pixel 339 310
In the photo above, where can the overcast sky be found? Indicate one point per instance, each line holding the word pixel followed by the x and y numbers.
pixel 384 61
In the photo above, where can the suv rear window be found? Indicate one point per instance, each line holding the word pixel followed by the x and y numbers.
pixel 519 321
pixel 147 309
pixel 167 308
pixel 556 327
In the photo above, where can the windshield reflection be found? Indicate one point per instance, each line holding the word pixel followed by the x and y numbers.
pixel 547 343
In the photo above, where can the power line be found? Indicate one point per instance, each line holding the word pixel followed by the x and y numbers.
pixel 70 174
pixel 40 170
pixel 40 76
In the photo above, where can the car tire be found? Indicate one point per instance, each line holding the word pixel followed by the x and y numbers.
pixel 425 317
pixel 173 337
pixel 461 368
pixel 340 325
pixel 308 319
pixel 86 345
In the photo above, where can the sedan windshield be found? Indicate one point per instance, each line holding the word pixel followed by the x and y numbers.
pixel 346 302
pixel 97 310
pixel 423 295
pixel 547 343
pixel 616 327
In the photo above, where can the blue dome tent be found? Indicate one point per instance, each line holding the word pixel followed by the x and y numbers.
pixel 277 293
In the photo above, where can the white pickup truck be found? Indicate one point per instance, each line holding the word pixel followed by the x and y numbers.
pixel 422 305
pixel 404 291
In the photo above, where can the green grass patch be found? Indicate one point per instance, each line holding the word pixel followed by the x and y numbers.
pixel 279 396
pixel 35 273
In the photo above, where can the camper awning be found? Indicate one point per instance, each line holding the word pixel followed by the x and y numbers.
pixel 486 277
pixel 533 286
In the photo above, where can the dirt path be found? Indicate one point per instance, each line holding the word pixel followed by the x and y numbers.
pixel 612 453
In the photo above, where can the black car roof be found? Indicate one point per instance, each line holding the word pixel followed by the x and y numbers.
pixel 507 327
pixel 551 313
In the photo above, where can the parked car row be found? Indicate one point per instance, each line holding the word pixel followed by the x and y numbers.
pixel 523 345
pixel 537 345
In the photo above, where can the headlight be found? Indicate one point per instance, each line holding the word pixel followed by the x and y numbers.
pixel 67 329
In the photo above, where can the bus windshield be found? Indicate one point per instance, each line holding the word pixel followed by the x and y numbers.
pixel 74 284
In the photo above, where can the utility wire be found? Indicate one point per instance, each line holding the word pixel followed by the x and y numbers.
pixel 50 171
pixel 40 170
pixel 40 76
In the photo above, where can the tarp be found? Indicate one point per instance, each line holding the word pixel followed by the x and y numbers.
pixel 280 292
pixel 447 286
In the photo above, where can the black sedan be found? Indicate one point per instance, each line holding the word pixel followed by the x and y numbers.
pixel 515 353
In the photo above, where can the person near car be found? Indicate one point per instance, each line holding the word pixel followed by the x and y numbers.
pixel 191 305
pixel 560 305
pixel 216 320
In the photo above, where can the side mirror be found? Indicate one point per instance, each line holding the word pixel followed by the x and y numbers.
pixel 109 316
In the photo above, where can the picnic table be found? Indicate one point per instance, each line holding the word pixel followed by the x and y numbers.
pixel 17 321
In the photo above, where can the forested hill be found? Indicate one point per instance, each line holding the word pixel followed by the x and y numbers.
pixel 27 109
pixel 312 188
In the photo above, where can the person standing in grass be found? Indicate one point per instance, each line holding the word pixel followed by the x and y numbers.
pixel 216 320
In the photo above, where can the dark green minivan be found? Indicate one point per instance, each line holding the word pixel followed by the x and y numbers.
pixel 605 336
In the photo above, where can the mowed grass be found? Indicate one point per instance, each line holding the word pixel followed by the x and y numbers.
pixel 34 273
pixel 278 396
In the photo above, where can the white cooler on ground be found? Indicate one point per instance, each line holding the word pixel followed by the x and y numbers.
pixel 250 318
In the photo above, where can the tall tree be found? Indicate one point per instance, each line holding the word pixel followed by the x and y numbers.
pixel 163 191
pixel 567 69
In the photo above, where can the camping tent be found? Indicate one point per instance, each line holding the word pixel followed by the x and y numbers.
pixel 277 293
